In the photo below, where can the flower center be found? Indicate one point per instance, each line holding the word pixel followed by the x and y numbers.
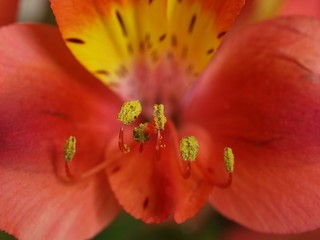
pixel 148 50
pixel 129 113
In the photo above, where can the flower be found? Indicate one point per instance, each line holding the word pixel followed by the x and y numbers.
pixel 261 101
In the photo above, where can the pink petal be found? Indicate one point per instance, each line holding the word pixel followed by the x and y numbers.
pixel 46 96
pixel 261 97
pixel 8 11
pixel 298 7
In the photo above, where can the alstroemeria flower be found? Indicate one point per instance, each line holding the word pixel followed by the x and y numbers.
pixel 8 11
pixel 258 96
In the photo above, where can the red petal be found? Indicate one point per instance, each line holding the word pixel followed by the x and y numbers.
pixel 46 96
pixel 8 11
pixel 263 91
pixel 298 7
pixel 151 189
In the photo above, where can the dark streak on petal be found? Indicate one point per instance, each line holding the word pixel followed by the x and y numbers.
pixel 162 37
pixel 154 56
pixel 115 170
pixel 122 71
pixel 145 203
pixel 184 52
pixel 192 23
pixel 75 40
pixel 150 1
pixel 211 50
pixel 123 27
pixel 141 46
pixel 130 49
pixel 174 41
pixel 103 72
pixel 54 114
pixel 220 35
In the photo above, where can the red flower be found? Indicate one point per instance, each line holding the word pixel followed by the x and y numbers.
pixel 259 95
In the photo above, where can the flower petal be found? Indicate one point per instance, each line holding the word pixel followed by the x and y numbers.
pixel 8 11
pixel 264 103
pixel 110 37
pixel 46 96
pixel 152 189
pixel 296 7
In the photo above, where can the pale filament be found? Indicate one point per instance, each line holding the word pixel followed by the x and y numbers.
pixel 123 147
pixel 96 169
pixel 225 184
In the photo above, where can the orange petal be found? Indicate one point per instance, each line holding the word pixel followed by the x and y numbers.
pixel 151 189
pixel 306 8
pixel 109 37
pixel 47 96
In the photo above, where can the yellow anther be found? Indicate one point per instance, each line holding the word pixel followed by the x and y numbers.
pixel 189 148
pixel 158 116
pixel 139 133
pixel 70 149
pixel 229 159
pixel 129 112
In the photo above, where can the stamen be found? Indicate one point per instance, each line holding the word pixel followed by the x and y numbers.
pixel 159 117
pixel 160 121
pixel 70 149
pixel 91 172
pixel 229 164
pixel 189 148
pixel 129 112
pixel 69 152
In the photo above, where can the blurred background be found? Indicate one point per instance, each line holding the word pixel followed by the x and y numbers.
pixel 208 224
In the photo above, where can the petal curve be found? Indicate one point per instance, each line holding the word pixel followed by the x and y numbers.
pixel 46 96
pixel 265 105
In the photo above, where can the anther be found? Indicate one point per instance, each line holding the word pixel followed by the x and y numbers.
pixel 229 164
pixel 160 121
pixel 129 112
pixel 69 152
pixel 189 148
pixel 140 135
pixel 70 149
pixel 229 159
